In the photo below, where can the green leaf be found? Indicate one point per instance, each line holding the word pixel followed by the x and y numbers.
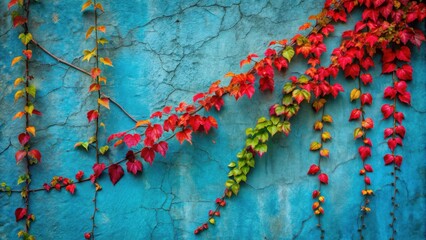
pixel 288 87
pixel 275 120
pixel 92 139
pixel 306 94
pixel 236 171
pixel 252 142
pixel 279 110
pixel 229 183
pixel 286 127
pixel 241 163
pixel 251 163
pixel 303 79
pixel 235 188
pixel 31 90
pixel 103 149
pixel 102 41
pixel 261 148
pixel 245 169
pixel 263 137
pixel 287 100
pixel 22 179
pixel 25 38
pixel 288 53
pixel 249 131
pixel 232 164
pixel 272 130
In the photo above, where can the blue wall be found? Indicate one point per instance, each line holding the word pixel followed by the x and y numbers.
pixel 164 53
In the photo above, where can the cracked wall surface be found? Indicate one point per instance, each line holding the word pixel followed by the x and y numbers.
pixel 165 52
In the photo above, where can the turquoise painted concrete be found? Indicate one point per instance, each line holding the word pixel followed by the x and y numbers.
pixel 164 52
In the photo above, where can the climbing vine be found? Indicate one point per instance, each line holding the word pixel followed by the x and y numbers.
pixel 386 28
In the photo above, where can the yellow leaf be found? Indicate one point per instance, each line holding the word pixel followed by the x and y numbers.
pixel 98 187
pixel 89 31
pixel 106 61
pixel 102 124
pixel 104 102
pixel 230 74
pixel 19 94
pixel 18 81
pixel 29 109
pixel 102 79
pixel 212 221
pixel 142 122
pixel 315 146
pixel 19 115
pixel 102 29
pixel 32 130
pixel 16 59
pixel 102 41
pixel 86 5
pixel 355 94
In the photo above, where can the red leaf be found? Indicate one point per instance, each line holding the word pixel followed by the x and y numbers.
pixel 387 110
pixel 366 98
pixel 19 20
pixel 366 78
pixel 197 96
pixel 79 175
pixel 134 166
pixel 34 153
pixel 393 142
pixel 19 155
pixel 20 213
pixel 92 115
pixel 368 123
pixel 115 173
pixel 323 178
pixel 132 140
pixel 47 187
pixel 399 116
pixel 208 123
pixel 24 138
pixel 367 142
pixel 344 60
pixel 70 188
pixel 388 132
pixel 403 54
pixel 314 169
pixel 266 83
pixel 167 109
pixel 148 154
pixel 364 152
pixel 327 29
pixel 315 194
pixel 390 93
pixel 400 130
pixel 154 132
pixel 184 135
pixel 170 123
pixel 12 3
pixel 388 67
pixel 418 37
pixel 270 52
pixel 367 180
pixel 371 39
pixel 355 114
pixel 27 53
pixel 405 97
pixel 366 63
pixel 161 148
pixel 116 135
pixel 368 168
pixel 335 89
pixel 398 160
pixel 389 158
pixel 98 168
pixel 405 72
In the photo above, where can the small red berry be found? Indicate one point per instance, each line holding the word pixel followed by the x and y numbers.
pixel 87 235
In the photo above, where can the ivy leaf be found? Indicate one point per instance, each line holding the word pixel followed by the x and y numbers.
pixel 398 160
pixel 323 178
pixel 403 54
pixel 134 166
pixel 24 138
pixel 86 5
pixel 92 115
pixel 95 72
pixel 116 135
pixel 35 154
pixel 355 114
pixel 31 90
pixel 12 3
pixel 405 72
pixel 15 60
pixel 387 110
pixel 313 169
pixel 325 153
pixel 368 168
pixel 89 31
pixel 355 94
pixel 288 53
pixel 148 154
pixel 400 130
pixel 85 145
pixel 19 155
pixel 115 172
pixel 161 148
pixel 106 61
pixel 184 135
pixel 366 78
pixel 104 102
pixel 132 140
pixel 103 149
pixel 20 213
pixel 70 188
pixel 19 20
pixel 364 152
pixel 315 146
pixel 388 67
pixel 98 169
pixel 367 180
pixel 27 53
pixel 25 38
pixel 154 132
pixel 388 158
pixel 94 87
pixel 366 98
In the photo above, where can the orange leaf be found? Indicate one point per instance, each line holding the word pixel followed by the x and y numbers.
pixel 94 87
pixel 86 5
pixel 102 29
pixel 106 61
pixel 89 31
pixel 16 59
pixel 102 79
pixel 118 142
pixel 104 102
pixel 99 6
pixel 18 81
pixel 305 26
pixel 230 74
pixel 142 122
pixel 95 72
pixel 19 115
pixel 28 53
pixel 32 130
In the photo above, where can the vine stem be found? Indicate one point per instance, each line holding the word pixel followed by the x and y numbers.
pixel 27 120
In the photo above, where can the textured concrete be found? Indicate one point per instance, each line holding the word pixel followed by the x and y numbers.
pixel 163 53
